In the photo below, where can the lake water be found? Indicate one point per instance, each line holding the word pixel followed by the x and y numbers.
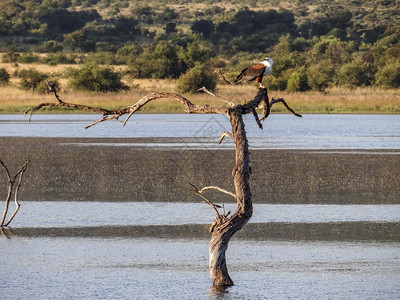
pixel 68 214
pixel 151 268
pixel 281 131
pixel 165 266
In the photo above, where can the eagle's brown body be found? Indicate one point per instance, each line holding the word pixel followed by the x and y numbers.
pixel 256 72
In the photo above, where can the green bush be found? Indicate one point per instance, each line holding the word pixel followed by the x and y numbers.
pixel 389 75
pixel 298 81
pixel 31 78
pixel 10 57
pixel 49 47
pixel 58 58
pixel 321 75
pixel 28 58
pixel 196 52
pixel 196 77
pixel 354 74
pixel 94 78
pixel 159 61
pixel 275 83
pixel 4 76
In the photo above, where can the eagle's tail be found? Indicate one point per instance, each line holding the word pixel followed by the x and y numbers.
pixel 240 76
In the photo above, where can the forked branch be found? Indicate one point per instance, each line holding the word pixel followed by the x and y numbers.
pixel 115 114
pixel 206 200
pixel 268 104
pixel 10 190
pixel 203 89
pixel 223 135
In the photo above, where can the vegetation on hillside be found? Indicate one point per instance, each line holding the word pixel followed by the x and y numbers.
pixel 315 44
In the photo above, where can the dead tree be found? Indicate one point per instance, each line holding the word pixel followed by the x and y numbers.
pixel 10 191
pixel 223 227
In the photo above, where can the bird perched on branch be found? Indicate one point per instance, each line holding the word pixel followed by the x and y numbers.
pixel 256 72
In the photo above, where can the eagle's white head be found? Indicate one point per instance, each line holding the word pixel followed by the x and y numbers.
pixel 269 60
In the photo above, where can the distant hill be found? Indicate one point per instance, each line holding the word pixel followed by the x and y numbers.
pixel 315 43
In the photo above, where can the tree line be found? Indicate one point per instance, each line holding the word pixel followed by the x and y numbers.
pixel 313 47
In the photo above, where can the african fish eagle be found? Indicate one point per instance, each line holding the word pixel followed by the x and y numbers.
pixel 256 71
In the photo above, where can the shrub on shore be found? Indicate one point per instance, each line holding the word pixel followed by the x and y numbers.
pixel 196 77
pixel 91 77
pixel 31 78
pixel 4 76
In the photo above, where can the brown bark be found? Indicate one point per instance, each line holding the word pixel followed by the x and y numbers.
pixel 222 228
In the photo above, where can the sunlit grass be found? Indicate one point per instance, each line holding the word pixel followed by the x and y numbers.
pixel 335 100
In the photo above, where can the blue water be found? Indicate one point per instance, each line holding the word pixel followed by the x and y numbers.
pixel 155 268
pixel 150 268
pixel 281 131
pixel 72 214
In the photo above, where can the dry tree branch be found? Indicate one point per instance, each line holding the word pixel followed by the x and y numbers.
pixel 256 117
pixel 206 200
pixel 268 104
pixel 218 189
pixel 219 72
pixel 223 205
pixel 61 103
pixel 9 193
pixel 223 135
pixel 130 110
pixel 11 182
pixel 203 89
pixel 281 100
pixel 17 204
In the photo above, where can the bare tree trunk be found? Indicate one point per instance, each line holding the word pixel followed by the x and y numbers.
pixel 226 228
pixel 222 228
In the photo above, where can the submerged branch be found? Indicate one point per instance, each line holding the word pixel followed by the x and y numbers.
pixel 11 182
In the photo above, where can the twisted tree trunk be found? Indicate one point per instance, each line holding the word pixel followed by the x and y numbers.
pixel 225 228
pixel 222 228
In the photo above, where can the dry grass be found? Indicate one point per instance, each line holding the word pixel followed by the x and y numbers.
pixel 339 100
pixel 336 100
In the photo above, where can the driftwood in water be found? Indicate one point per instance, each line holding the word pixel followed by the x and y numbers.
pixel 10 190
pixel 223 227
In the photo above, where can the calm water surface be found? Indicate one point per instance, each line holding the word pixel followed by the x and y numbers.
pixel 66 214
pixel 164 268
pixel 281 131
pixel 86 268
